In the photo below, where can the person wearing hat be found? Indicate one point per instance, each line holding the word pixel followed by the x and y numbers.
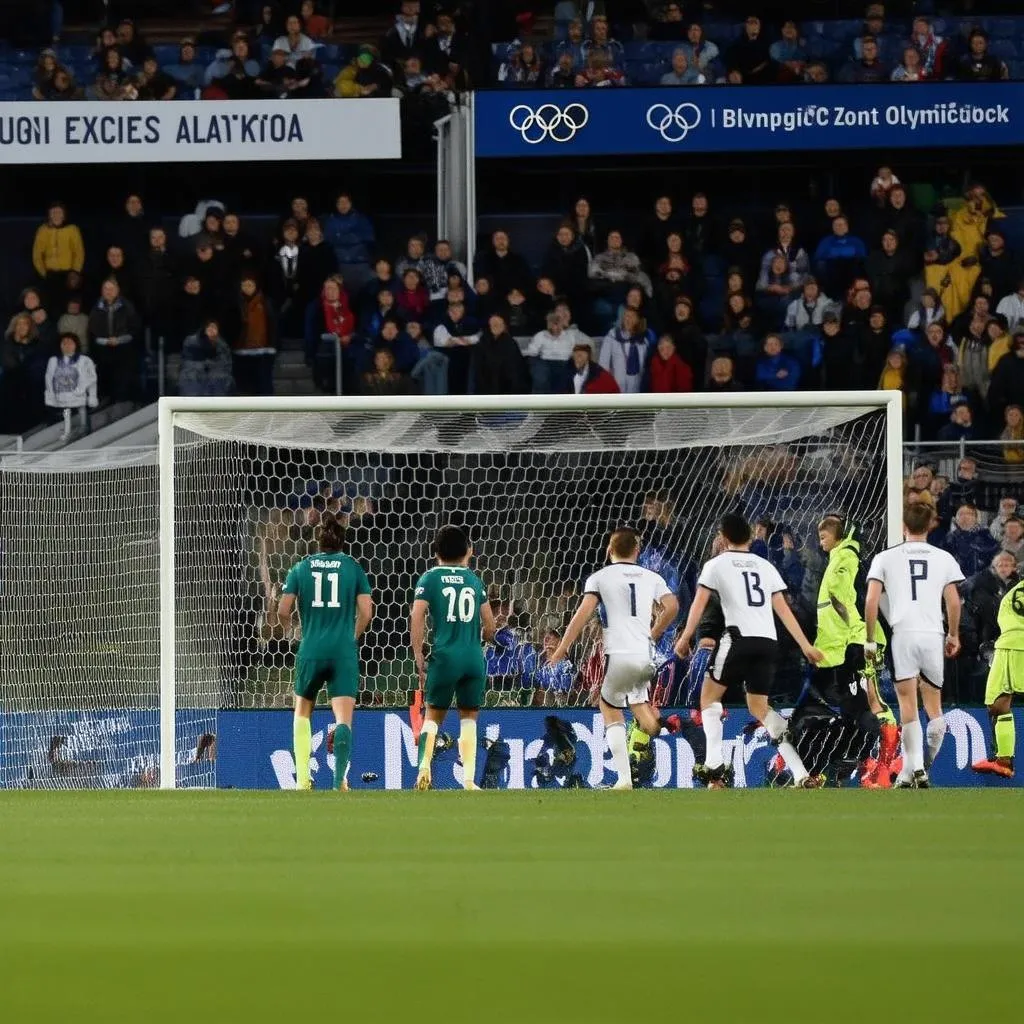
pixel 272 80
pixel 42 80
pixel 187 72
pixel 365 77
pixel 998 263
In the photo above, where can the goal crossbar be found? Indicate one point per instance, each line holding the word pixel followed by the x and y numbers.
pixel 170 408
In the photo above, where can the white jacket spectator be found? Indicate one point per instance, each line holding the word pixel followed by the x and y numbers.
pixel 294 42
pixel 624 353
pixel 809 309
pixel 554 343
pixel 1012 307
pixel 70 378
pixel 454 330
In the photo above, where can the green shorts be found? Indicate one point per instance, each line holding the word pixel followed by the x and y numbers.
pixel 1006 675
pixel 340 675
pixel 462 678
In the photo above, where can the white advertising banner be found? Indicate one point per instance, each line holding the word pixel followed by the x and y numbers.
pixel 173 131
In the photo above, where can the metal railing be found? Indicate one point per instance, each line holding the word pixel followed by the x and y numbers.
pixel 945 455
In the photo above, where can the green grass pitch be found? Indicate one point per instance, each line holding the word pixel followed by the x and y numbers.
pixel 495 907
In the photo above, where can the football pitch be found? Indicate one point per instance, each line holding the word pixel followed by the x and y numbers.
pixel 742 906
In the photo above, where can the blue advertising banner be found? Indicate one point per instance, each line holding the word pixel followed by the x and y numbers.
pixel 254 751
pixel 120 749
pixel 727 119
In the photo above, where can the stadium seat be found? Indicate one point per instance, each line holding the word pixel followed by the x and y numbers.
pixel 1004 49
pixel 820 48
pixel 1004 28
pixel 166 53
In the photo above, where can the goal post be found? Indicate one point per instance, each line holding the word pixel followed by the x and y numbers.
pixel 520 461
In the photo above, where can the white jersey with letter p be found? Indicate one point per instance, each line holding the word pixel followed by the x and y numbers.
pixel 628 593
pixel 745 584
pixel 914 575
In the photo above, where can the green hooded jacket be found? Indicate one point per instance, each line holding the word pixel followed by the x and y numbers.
pixel 840 624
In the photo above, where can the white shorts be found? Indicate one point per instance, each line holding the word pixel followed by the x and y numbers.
pixel 918 654
pixel 627 680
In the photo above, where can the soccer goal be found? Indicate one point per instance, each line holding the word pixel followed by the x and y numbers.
pixel 142 584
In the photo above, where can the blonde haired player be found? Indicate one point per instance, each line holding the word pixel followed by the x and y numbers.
pixel 632 598
pixel 914 579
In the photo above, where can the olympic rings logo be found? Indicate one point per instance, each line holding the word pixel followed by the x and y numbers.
pixel 673 125
pixel 548 121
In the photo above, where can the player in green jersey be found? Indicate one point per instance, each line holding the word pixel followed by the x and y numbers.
pixel 459 614
pixel 1005 678
pixel 335 607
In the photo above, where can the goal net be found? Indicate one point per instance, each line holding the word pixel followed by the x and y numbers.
pixel 537 489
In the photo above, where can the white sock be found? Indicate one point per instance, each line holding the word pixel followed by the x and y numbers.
pixel 913 749
pixel 935 733
pixel 712 719
pixel 777 726
pixel 615 734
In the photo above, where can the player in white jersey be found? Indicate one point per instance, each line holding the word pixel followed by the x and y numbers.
pixel 750 590
pixel 909 583
pixel 638 607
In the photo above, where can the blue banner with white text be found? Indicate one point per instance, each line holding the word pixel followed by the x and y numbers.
pixel 728 119
pixel 119 749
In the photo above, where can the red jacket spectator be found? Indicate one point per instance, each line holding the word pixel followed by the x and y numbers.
pixel 338 317
pixel 669 374
pixel 412 299
pixel 588 377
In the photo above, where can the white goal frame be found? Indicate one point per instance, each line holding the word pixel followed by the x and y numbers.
pixel 890 401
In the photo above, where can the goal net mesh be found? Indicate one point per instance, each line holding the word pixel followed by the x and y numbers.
pixel 537 492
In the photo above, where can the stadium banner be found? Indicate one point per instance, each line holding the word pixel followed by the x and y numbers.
pixel 710 119
pixel 114 749
pixel 180 131
pixel 254 751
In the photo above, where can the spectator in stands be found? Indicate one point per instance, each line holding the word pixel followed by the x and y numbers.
pixel 1013 434
pixel 114 80
pixel 316 26
pixel 889 269
pixel 415 255
pixel 522 67
pixel 56 250
pixel 750 55
pixel 775 289
pixel 971 337
pixel 674 277
pixel 295 43
pixel 998 264
pixel 790 51
pixel 254 343
pixel 681 73
pixel 187 73
pixel 929 309
pixel 787 245
pixel 74 321
pixel 402 348
pixel 412 299
pixel 438 267
pixel 738 250
pixel 932 49
pixel 808 309
pixel 131 44
pixel 562 74
pixel 567 262
pixel 115 269
pixel 776 370
pixel 284 280
pixel 228 59
pixel 549 353
pixel 317 262
pixel 1007 511
pixel 589 377
pixel 446 52
pixel 23 362
pixel 240 249
pixel 721 378
pixel 839 257
pixel 114 338
pixel 269 25
pixel 656 230
pixel 970 543
pixel 978 65
pixel 612 272
pixel 599 72
pixel 383 308
pixel 834 350
pixel 498 365
pixel 960 426
pixel 383 280
pixel 700 53
pixel 572 44
pixel 153 84
pixel 910 68
pixel 506 269
pixel 894 374
pixel 1007 383
pixel 351 235
pixel 984 590
pixel 456 328
pixel 868 67
pixel 667 372
pixel 405 37
pixel 156 281
pixel 42 78
pixel 600 43
pixel 874 26
pixel 1011 306
pixel 582 220
pixel 669 26
pixel 941 402
pixel 1013 540
pixel 205 363
pixel 689 340
pixel 70 381
pixel 624 352
pixel 385 378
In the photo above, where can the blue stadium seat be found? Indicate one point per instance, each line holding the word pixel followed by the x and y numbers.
pixel 1004 28
pixel 330 72
pixel 166 53
pixel 635 49
pixel 820 48
pixel 1016 68
pixel 1004 49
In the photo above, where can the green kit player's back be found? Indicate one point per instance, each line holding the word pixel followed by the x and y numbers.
pixel 326 587
pixel 454 596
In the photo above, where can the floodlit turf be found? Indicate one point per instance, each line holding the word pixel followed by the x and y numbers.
pixel 511 907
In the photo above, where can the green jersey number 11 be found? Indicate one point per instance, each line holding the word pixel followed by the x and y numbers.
pixel 318 590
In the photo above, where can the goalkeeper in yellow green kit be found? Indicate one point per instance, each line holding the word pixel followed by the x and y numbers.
pixel 841 636
pixel 1005 678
